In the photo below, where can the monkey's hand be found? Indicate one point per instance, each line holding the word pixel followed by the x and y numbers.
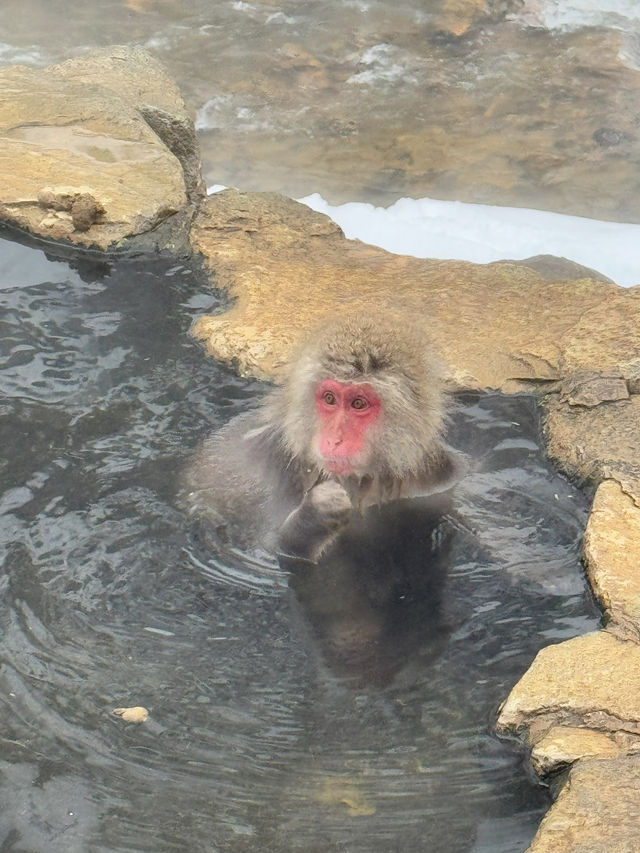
pixel 325 510
pixel 331 503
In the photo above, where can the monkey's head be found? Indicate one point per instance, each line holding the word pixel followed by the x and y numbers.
pixel 363 396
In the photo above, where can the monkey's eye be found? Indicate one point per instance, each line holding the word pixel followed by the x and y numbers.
pixel 359 403
pixel 329 398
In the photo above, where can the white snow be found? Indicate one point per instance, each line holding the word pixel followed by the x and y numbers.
pixel 427 228
pixel 457 230
pixel 572 14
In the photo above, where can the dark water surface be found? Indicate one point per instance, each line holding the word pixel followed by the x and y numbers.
pixel 253 742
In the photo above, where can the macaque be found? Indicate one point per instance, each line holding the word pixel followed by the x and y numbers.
pixel 356 423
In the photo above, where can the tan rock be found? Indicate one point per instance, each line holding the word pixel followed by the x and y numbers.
pixel 136 714
pixel 611 554
pixel 599 443
pixel 597 810
pixel 90 149
pixel 588 388
pixel 138 78
pixel 606 323
pixel 286 266
pixel 593 680
pixel 556 269
pixel 563 745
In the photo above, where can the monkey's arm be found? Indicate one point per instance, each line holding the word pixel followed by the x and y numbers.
pixel 224 488
pixel 311 527
pixel 442 471
pixel 240 488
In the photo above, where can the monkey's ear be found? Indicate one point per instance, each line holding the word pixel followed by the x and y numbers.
pixel 444 470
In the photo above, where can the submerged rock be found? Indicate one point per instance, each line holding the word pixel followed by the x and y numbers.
pixel 96 150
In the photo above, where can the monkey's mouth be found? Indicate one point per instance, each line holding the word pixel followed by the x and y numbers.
pixel 341 467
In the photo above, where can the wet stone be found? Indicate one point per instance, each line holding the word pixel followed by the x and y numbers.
pixel 592 444
pixel 563 745
pixel 592 680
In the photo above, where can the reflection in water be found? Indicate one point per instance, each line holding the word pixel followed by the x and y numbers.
pixel 348 712
pixel 381 602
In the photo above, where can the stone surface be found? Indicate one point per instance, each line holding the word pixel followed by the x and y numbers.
pixel 590 389
pixel 601 337
pixel 563 745
pixel 610 553
pixel 593 681
pixel 139 79
pixel 597 810
pixel 595 444
pixel 556 269
pixel 94 150
pixel 460 102
pixel 286 266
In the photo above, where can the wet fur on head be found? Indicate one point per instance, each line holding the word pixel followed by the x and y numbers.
pixel 392 356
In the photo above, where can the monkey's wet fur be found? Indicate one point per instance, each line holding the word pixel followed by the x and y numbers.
pixel 343 472
pixel 357 421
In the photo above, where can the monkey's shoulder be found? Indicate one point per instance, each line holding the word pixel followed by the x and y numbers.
pixel 440 473
pixel 444 469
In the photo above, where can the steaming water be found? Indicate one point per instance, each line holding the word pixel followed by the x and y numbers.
pixel 254 743
pixel 356 99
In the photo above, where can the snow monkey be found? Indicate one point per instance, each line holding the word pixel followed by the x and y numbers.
pixel 356 424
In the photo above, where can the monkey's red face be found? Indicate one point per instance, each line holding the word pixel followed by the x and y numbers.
pixel 346 415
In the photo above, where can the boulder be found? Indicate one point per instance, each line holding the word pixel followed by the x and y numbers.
pixel 285 266
pixel 611 554
pixel 592 681
pixel 96 150
pixel 597 810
